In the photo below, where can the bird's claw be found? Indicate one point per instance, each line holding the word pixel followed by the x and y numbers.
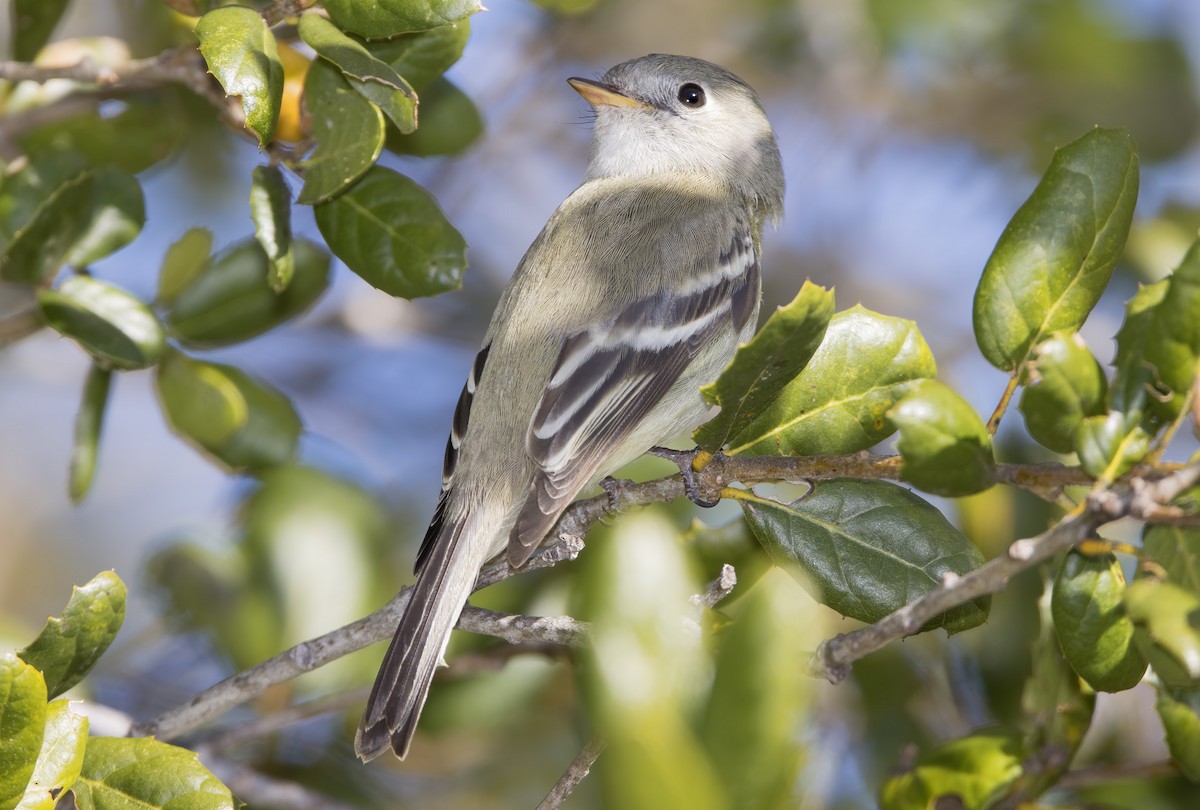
pixel 689 462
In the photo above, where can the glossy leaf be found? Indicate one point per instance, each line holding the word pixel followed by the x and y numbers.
pixel 231 300
pixel 1134 382
pixel 140 774
pixel 1180 715
pixel 89 423
pixel 1175 549
pixel 424 56
pixel 271 211
pixel 117 215
pixel 22 726
pixel 60 760
pixel 348 129
pixel 1109 446
pixel 760 694
pixel 377 19
pixel 375 79
pixel 390 231
pixel 186 259
pixel 1057 712
pixel 1171 617
pixel 944 444
pixel 1058 252
pixel 39 248
pixel 33 21
pixel 239 421
pixel 762 368
pixel 1067 384
pixel 1095 633
pixel 1172 345
pixel 870 547
pixel 974 771
pixel 117 329
pixel 241 52
pixel 450 123
pixel 71 643
pixel 839 402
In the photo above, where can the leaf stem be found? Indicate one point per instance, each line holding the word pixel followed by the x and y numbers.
pixel 993 424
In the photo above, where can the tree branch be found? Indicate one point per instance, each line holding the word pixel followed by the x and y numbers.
pixel 1139 498
pixel 579 768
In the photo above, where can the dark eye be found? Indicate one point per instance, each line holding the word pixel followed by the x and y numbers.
pixel 692 95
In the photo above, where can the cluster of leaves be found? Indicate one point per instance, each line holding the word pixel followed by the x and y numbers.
pixel 46 753
pixel 327 119
pixel 816 383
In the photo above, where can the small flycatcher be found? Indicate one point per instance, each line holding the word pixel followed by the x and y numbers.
pixel 635 294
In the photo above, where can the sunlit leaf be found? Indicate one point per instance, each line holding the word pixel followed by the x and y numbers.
pixel 1176 550
pixel 944 444
pixel 113 326
pixel 22 725
pixel 186 259
pixel 139 774
pixel 1180 714
pixel 60 760
pixel 1172 345
pixel 763 367
pixel 390 231
pixel 1109 446
pixel 349 131
pixel 241 52
pixel 39 247
pixel 1171 617
pixel 1057 254
pixel 71 643
pixel 271 211
pixel 117 216
pixel 972 771
pixel 386 18
pixel 1066 385
pixel 839 402
pixel 1095 633
pixel 424 56
pixel 870 548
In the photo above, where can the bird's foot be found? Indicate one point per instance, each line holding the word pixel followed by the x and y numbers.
pixel 691 462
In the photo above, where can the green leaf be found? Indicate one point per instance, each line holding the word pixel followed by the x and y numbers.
pixel 348 129
pixel 375 79
pixel 1108 446
pixel 117 216
pixel 271 211
pixel 115 328
pixel 1056 711
pixel 224 412
pixel 1134 381
pixel 89 423
pixel 1180 714
pixel 974 771
pixel 760 694
pixel 241 52
pixel 1093 629
pixel 186 259
pixel 138 774
pixel 762 368
pixel 22 726
pixel 1057 254
pixel 151 128
pixel 450 123
pixel 643 667
pixel 424 56
pixel 390 231
pixel 231 300
pixel 60 760
pixel 40 247
pixel 944 444
pixel 1066 385
pixel 1176 550
pixel 377 19
pixel 871 547
pixel 1172 345
pixel 70 644
pixel 1171 617
pixel 33 21
pixel 839 402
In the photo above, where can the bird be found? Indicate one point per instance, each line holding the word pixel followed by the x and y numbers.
pixel 636 293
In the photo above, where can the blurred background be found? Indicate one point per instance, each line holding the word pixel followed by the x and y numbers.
pixel 910 131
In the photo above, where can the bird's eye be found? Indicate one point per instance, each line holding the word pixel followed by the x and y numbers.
pixel 692 95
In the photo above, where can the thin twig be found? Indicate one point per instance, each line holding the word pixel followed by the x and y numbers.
pixel 718 589
pixel 579 768
pixel 268 724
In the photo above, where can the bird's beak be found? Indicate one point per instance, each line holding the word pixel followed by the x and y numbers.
pixel 599 94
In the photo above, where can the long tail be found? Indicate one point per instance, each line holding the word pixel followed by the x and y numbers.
pixel 441 590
